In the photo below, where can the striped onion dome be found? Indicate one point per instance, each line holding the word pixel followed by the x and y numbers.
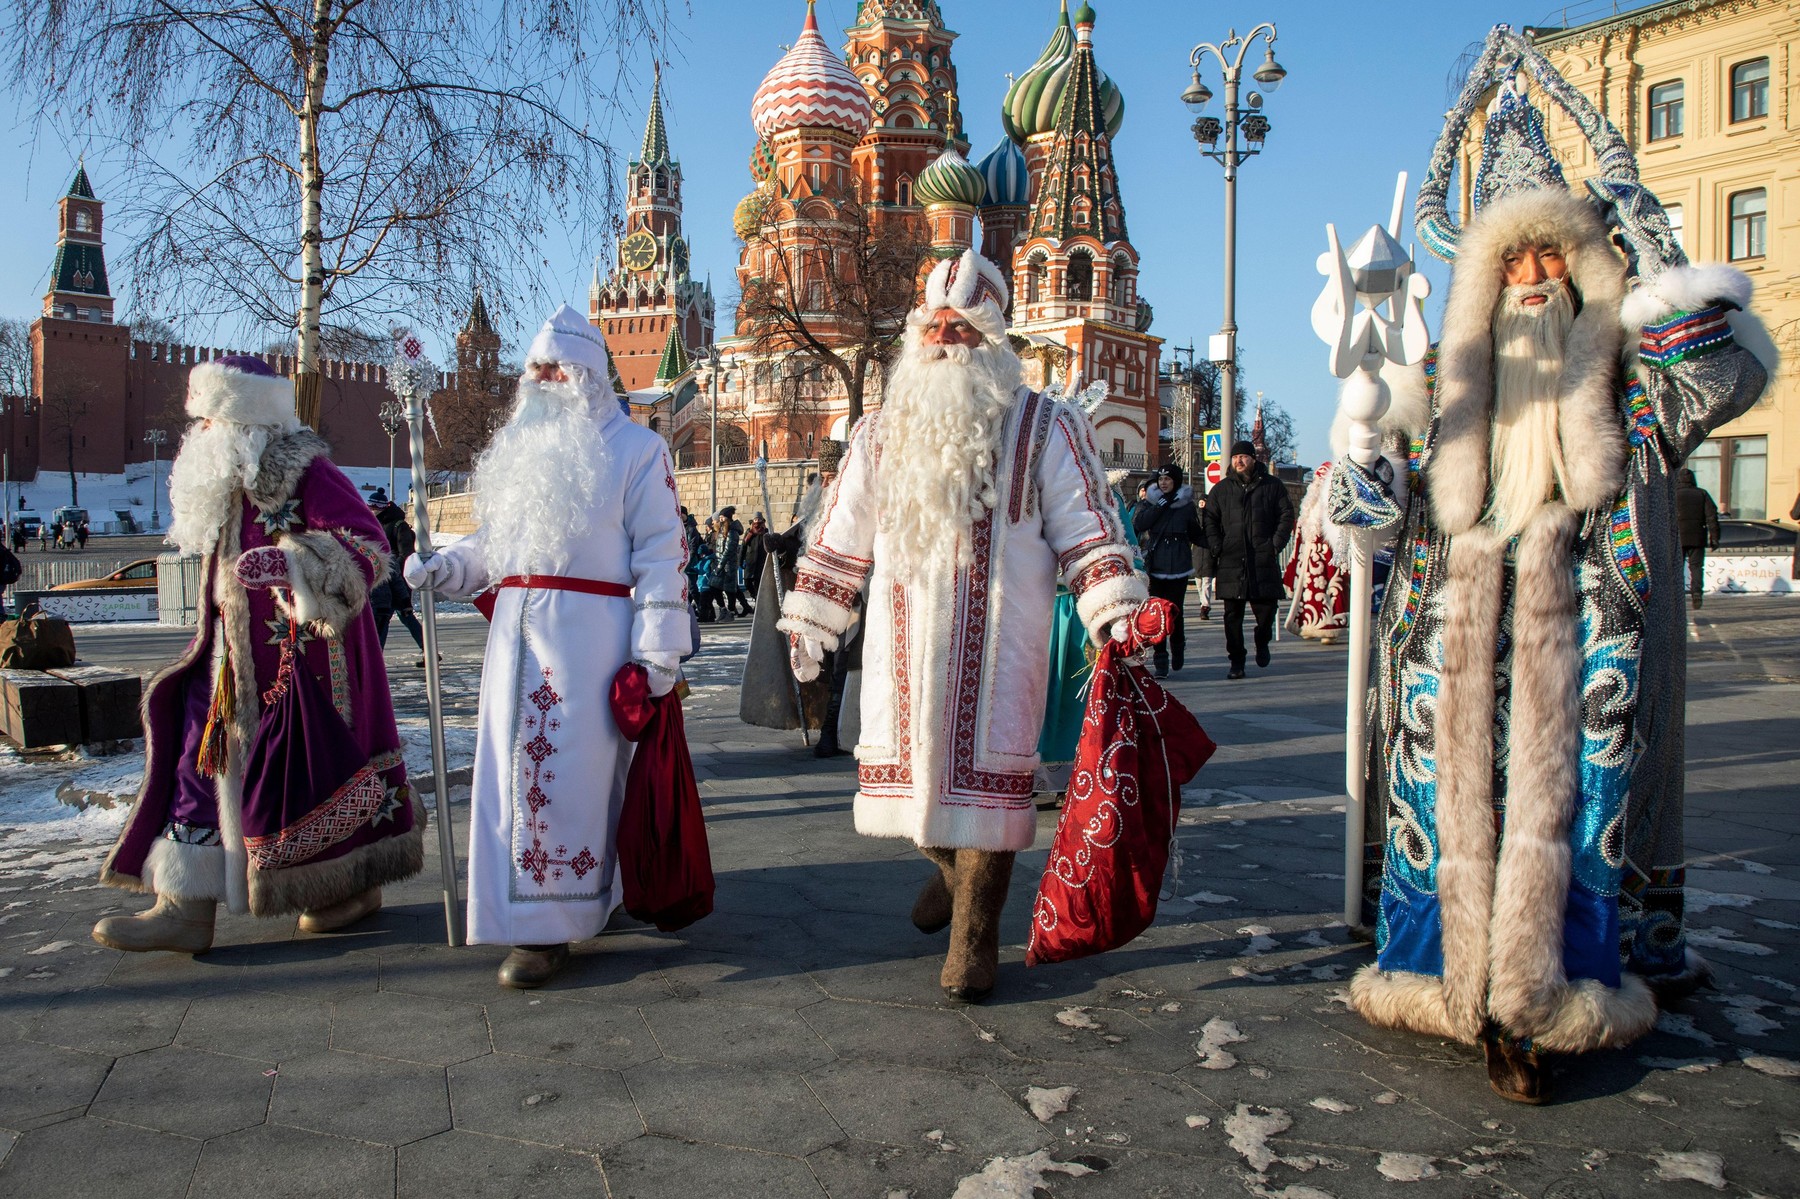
pixel 748 218
pixel 762 161
pixel 950 180
pixel 811 88
pixel 1008 182
pixel 1031 102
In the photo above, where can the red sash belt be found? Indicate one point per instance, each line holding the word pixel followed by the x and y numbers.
pixel 484 603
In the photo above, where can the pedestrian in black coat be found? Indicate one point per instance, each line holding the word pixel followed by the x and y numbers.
pixel 1248 519
pixel 1697 519
pixel 1168 528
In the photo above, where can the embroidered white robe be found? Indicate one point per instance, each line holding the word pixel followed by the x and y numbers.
pixel 550 763
pixel 955 664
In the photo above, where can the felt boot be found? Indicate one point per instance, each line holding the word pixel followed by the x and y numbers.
pixel 932 909
pixel 1515 1071
pixel 341 914
pixel 973 962
pixel 177 925
pixel 531 966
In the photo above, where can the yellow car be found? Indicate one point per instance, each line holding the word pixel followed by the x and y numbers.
pixel 139 574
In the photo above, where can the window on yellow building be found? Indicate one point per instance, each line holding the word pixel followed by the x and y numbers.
pixel 1666 108
pixel 1750 224
pixel 1750 90
pixel 1676 223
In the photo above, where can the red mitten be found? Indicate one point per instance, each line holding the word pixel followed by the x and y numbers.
pixel 265 566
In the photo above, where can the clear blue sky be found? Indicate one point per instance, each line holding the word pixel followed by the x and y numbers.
pixel 1364 99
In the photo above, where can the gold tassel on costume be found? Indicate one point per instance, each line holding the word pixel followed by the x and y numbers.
pixel 219 715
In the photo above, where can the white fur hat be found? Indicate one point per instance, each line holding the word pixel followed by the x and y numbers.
pixel 240 389
pixel 568 337
pixel 973 286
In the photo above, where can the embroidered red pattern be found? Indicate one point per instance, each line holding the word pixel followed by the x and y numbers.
pixel 348 809
pixel 538 862
pixel 826 589
pixel 1109 567
pixel 896 777
pixel 1021 478
pixel 970 786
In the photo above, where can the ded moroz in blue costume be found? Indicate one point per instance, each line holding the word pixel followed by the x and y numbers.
pixel 1528 692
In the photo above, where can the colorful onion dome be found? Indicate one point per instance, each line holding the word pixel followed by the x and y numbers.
pixel 811 88
pixel 751 210
pixel 950 180
pixel 762 161
pixel 1085 14
pixel 1032 101
pixel 1008 181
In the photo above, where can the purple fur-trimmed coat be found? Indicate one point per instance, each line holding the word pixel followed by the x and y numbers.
pixel 266 853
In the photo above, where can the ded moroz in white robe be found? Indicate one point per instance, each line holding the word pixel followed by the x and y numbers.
pixel 550 764
pixel 955 664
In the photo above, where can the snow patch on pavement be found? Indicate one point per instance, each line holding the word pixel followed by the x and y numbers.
pixel 1217 1034
pixel 1076 1017
pixel 1726 940
pixel 1678 1025
pixel 1250 1129
pixel 1707 1169
pixel 1016 1177
pixel 1680 1065
pixel 1336 1107
pixel 1774 1067
pixel 1406 1167
pixel 1045 1102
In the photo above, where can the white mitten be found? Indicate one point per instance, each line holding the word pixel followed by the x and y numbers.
pixel 662 669
pixel 425 572
pixel 805 656
pixel 1121 629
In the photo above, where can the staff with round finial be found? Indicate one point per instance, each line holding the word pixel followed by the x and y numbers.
pixel 409 378
pixel 762 477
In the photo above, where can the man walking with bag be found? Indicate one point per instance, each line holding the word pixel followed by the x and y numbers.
pixel 1249 517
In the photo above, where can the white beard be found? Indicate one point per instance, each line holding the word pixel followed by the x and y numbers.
pixel 535 483
pixel 214 467
pixel 1525 464
pixel 941 421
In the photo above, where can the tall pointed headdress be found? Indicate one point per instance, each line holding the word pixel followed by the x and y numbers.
pixel 1515 156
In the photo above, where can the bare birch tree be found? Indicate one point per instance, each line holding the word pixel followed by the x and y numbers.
pixel 295 162
pixel 15 357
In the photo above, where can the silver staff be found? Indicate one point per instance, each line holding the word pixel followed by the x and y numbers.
pixel 410 379
pixel 762 476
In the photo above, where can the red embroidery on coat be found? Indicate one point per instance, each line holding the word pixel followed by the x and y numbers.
pixel 1021 480
pixel 970 786
pixel 1109 567
pixel 896 776
pixel 537 861
pixel 826 589
pixel 348 809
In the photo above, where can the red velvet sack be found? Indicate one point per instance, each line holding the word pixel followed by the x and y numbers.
pixel 665 865
pixel 1138 746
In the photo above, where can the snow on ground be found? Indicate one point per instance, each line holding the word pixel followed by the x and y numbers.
pixel 60 813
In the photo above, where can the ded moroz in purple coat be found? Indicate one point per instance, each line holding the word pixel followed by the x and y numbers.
pixel 193 837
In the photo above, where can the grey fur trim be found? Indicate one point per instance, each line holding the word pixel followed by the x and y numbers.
pixel 1531 884
pixel 315 885
pixel 283 462
pixel 327 580
pixel 1415 1002
pixel 1592 429
pixel 1465 760
pixel 1589 1015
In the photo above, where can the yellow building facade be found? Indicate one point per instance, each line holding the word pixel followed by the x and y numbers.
pixel 1706 94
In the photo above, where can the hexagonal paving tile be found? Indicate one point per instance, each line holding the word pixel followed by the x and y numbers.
pixel 186 1091
pixel 559 1030
pixel 728 1105
pixel 462 1163
pixel 368 1098
pixel 41 1084
pixel 552 1103
pixel 258 1025
pixel 908 1036
pixel 293 1163
pixel 1105 1036
pixel 411 1028
pixel 704 1031
pixel 97 1157
pixel 660 1168
pixel 102 1021
pixel 898 1105
pixel 465 974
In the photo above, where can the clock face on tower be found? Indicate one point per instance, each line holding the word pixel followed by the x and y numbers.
pixel 678 256
pixel 639 251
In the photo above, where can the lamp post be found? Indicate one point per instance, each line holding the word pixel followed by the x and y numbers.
pixel 710 357
pixel 156 439
pixel 392 415
pixel 1255 128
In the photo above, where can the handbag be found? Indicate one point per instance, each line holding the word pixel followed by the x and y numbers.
pixel 1138 746
pixel 665 863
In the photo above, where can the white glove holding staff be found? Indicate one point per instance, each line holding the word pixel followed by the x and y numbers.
pixel 430 571
pixel 805 656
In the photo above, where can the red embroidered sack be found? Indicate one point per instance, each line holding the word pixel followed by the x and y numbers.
pixel 665 865
pixel 1138 746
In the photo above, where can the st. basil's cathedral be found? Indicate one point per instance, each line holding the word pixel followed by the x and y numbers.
pixel 880 127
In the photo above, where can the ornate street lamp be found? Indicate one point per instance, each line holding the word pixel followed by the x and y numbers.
pixel 155 439
pixel 392 415
pixel 1207 131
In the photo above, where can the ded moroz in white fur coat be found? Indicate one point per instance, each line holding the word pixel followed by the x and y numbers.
pixel 954 668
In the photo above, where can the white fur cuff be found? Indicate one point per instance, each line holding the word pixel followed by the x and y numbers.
pixel 814 616
pixel 181 871
pixel 662 626
pixel 1107 601
pixel 327 580
pixel 1685 289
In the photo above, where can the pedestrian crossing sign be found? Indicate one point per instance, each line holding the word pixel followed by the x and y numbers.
pixel 1212 444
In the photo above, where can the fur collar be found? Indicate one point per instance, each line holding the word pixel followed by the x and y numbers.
pixel 1593 434
pixel 283 462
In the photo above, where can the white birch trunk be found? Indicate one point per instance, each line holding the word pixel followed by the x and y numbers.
pixel 312 255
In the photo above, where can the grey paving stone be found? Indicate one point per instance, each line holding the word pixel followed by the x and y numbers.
pixel 186 1091
pixel 1112 1109
pixel 370 1099
pixel 944 1040
pixel 256 1024
pixel 310 969
pixel 622 968
pixel 413 1028
pixel 291 1163
pixel 693 974
pixel 7 1141
pixel 41 1084
pixel 97 1157
pixel 1034 1032
pixel 462 1163
pixel 169 976
pixel 659 1168
pixel 702 1030
pixel 854 1168
pixel 560 1030
pixel 466 974
pixel 550 1103
pixel 759 1108
pixel 103 1022
pixel 899 1105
